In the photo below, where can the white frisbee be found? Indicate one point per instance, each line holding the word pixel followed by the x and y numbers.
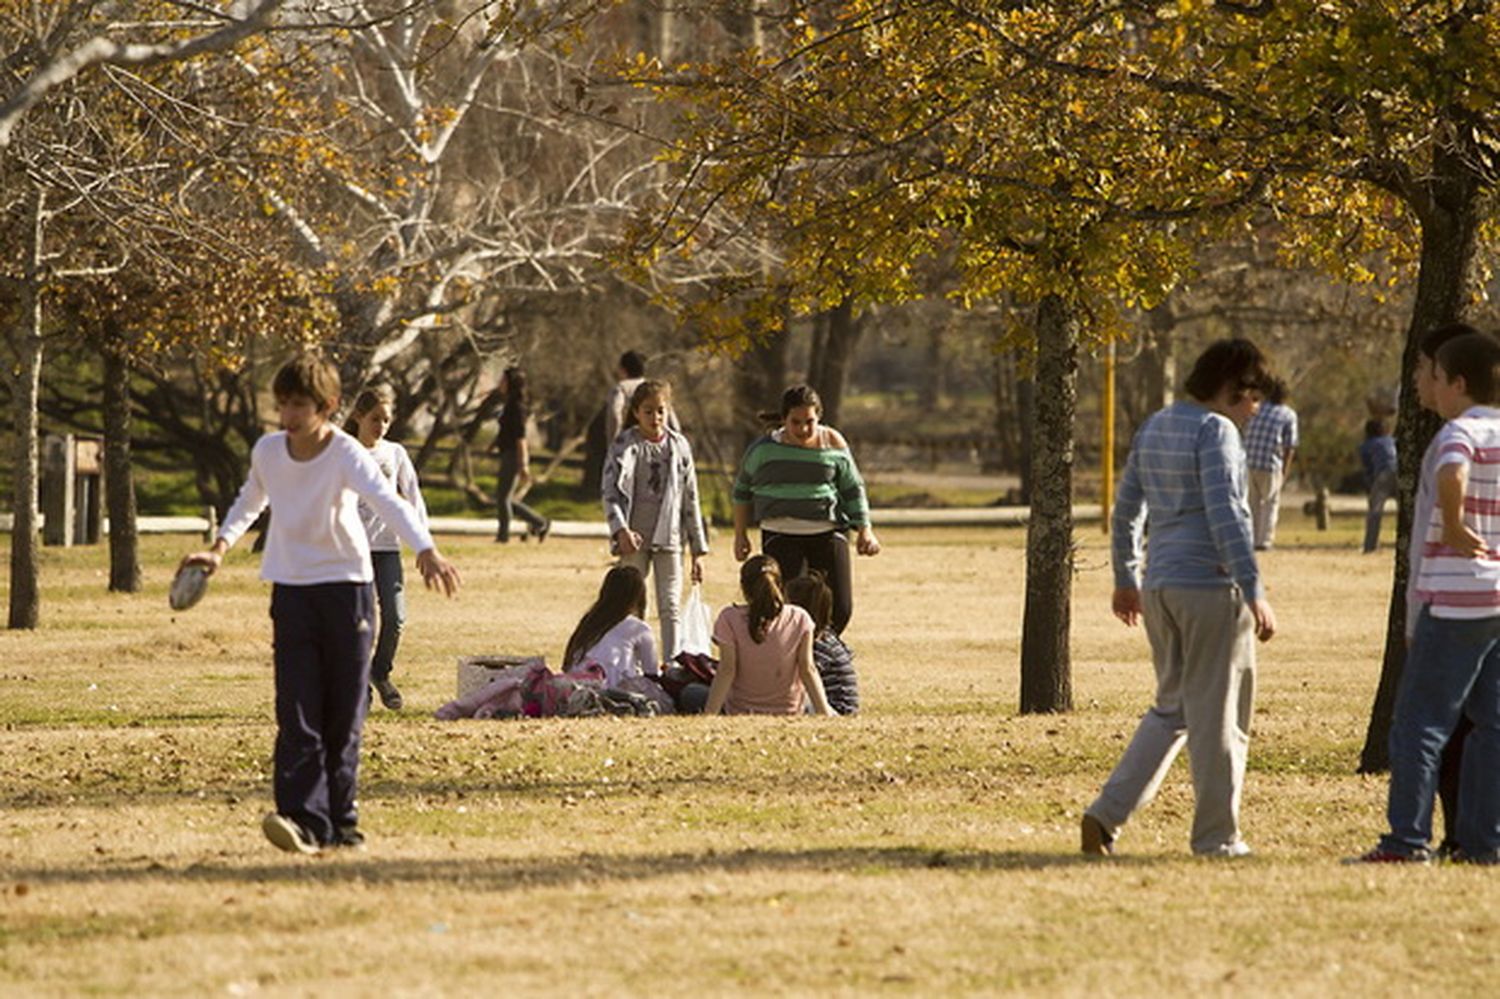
pixel 188 587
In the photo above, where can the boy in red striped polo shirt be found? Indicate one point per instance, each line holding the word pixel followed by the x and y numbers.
pixel 1453 665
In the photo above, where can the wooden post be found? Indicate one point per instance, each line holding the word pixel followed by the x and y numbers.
pixel 58 498
pixel 1320 508
pixel 88 490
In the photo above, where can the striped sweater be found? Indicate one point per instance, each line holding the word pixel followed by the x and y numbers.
pixel 835 662
pixel 811 484
pixel 1186 475
pixel 1452 585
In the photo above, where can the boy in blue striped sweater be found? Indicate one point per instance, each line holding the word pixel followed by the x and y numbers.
pixel 1201 599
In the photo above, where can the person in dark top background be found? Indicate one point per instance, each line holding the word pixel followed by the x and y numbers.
pixel 1378 456
pixel 515 458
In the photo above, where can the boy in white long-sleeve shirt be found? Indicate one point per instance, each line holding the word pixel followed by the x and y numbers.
pixel 317 557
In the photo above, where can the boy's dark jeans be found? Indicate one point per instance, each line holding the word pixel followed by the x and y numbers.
pixel 1453 669
pixel 322 639
pixel 1448 778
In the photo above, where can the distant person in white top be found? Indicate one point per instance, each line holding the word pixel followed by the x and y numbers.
pixel 613 632
pixel 629 372
pixel 369 420
pixel 317 557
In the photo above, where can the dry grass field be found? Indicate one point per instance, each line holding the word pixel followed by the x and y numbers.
pixel 926 847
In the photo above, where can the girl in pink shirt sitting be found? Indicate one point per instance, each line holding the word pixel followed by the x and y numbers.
pixel 765 650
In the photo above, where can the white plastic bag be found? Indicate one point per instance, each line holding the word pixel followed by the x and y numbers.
pixel 697 624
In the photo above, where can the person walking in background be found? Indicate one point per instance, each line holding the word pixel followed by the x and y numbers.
pixel 801 484
pixel 1453 664
pixel 650 497
pixel 1270 443
pixel 1182 497
pixel 629 373
pixel 368 421
pixel 1377 455
pixel 317 559
pixel 515 458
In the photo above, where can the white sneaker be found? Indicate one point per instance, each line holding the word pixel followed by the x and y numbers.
pixel 1229 851
pixel 287 835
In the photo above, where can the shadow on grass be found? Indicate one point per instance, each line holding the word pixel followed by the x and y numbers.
pixel 111 790
pixel 521 874
pixel 110 793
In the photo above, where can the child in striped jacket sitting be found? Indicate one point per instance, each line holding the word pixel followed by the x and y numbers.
pixel 834 659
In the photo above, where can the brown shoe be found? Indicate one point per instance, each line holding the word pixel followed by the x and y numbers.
pixel 1097 841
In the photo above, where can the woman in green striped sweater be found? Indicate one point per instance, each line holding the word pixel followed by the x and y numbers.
pixel 800 483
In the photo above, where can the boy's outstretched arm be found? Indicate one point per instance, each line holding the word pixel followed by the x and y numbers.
pixel 247 506
pixel 438 573
pixel 1452 482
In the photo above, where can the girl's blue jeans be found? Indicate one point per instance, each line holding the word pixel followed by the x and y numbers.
pixel 390 593
pixel 1452 669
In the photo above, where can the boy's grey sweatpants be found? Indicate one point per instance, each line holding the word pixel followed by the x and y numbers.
pixel 1203 647
pixel 666 566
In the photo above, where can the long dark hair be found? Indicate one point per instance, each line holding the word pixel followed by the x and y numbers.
pixel 760 581
pixel 644 391
pixel 810 592
pixel 515 388
pixel 375 395
pixel 793 398
pixel 622 593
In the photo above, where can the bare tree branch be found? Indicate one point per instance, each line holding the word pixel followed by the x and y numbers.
pixel 102 49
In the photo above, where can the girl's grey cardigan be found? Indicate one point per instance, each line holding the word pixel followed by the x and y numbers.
pixel 680 516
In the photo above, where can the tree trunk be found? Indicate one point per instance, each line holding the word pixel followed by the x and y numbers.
pixel 759 380
pixel 666 35
pixel 935 378
pixel 1026 407
pixel 817 350
pixel 25 591
pixel 1159 374
pixel 1046 663
pixel 1446 280
pixel 119 485
pixel 595 453
pixel 834 355
pixel 1007 425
